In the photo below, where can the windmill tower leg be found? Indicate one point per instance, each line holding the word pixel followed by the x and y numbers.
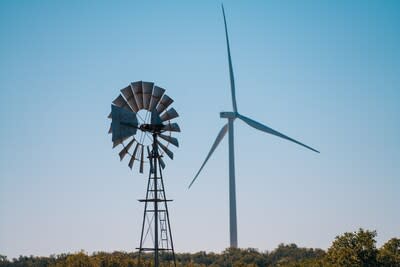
pixel 232 188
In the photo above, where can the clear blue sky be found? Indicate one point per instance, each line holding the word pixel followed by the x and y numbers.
pixel 324 72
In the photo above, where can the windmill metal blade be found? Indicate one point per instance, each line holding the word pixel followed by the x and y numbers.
pixel 155 97
pixel 130 98
pixel 164 103
pixel 170 139
pixel 124 123
pixel 121 102
pixel 218 140
pixel 147 92
pixel 162 163
pixel 266 129
pixel 166 150
pixel 131 161
pixel 119 141
pixel 138 93
pixel 141 160
pixel 125 150
pixel 133 157
pixel 173 127
pixel 232 78
pixel 150 159
pixel 169 115
pixel 155 118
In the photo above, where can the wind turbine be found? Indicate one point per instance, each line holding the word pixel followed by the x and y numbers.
pixel 228 127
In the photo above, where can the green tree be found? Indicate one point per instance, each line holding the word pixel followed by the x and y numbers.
pixel 389 253
pixel 356 249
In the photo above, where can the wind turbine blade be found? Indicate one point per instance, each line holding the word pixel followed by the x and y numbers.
pixel 219 138
pixel 232 78
pixel 266 129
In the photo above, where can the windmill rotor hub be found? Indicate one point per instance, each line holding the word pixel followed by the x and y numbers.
pixel 153 128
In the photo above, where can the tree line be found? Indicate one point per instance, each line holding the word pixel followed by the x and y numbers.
pixel 351 249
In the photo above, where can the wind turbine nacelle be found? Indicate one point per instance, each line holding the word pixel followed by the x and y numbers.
pixel 228 115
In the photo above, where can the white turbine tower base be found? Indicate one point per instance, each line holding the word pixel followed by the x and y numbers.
pixel 231 116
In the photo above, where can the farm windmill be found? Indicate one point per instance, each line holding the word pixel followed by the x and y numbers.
pixel 231 116
pixel 140 114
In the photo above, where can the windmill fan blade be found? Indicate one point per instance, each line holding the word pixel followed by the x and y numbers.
pixel 110 130
pixel 133 157
pixel 218 140
pixel 124 123
pixel 155 118
pixel 150 159
pixel 169 115
pixel 266 129
pixel 173 127
pixel 141 160
pixel 147 92
pixel 162 163
pixel 119 141
pixel 164 103
pixel 125 150
pixel 170 139
pixel 131 161
pixel 121 102
pixel 130 98
pixel 232 78
pixel 166 150
pixel 155 97
pixel 138 93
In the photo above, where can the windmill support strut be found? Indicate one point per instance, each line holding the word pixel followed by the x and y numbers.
pixel 161 224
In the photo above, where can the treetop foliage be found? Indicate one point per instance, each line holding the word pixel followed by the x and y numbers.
pixel 352 249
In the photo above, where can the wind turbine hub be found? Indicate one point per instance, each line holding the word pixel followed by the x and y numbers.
pixel 228 115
